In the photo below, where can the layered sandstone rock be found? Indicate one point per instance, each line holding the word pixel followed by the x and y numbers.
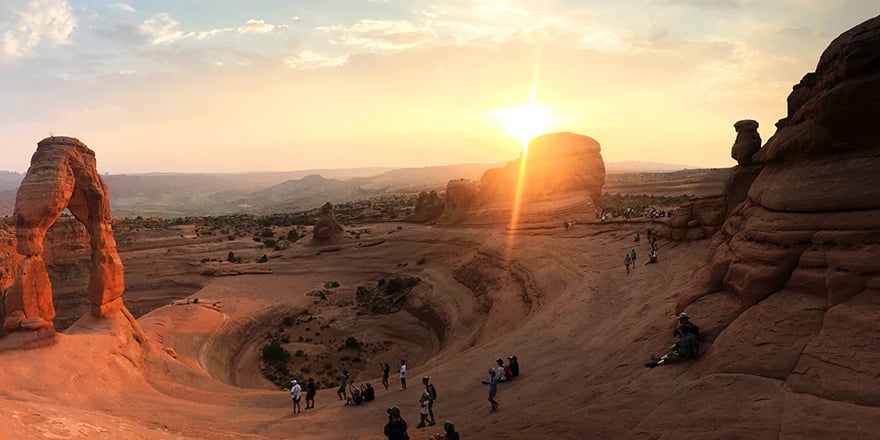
pixel 794 274
pixel 556 163
pixel 429 208
pixel 462 195
pixel 327 229
pixel 63 174
pixel 747 142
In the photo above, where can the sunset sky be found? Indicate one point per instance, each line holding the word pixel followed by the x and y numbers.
pixel 271 85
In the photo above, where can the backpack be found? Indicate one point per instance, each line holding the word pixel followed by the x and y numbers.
pixel 432 392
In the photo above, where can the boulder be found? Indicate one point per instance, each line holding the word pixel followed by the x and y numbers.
pixel 747 142
pixel 63 175
pixel 555 163
pixel 327 229
pixel 429 208
pixel 462 195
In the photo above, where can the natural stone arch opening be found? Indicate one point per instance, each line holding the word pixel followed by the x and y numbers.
pixel 63 174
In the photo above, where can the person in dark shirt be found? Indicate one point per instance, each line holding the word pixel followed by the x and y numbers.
pixel 687 347
pixel 513 363
pixel 311 391
pixel 396 427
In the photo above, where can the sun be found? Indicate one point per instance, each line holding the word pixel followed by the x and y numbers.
pixel 525 122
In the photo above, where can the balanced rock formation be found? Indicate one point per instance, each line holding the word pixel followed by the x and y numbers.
pixel 747 142
pixel 462 195
pixel 792 288
pixel 63 174
pixel 327 229
pixel 429 207
pixel 555 163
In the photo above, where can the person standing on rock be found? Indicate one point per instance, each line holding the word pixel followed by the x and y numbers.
pixel 402 374
pixel 493 390
pixel 311 391
pixel 627 261
pixel 343 381
pixel 431 394
pixel 633 257
pixel 396 427
pixel 295 395
pixel 385 370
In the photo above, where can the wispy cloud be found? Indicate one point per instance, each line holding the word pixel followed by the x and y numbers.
pixel 256 27
pixel 162 29
pixel 296 19
pixel 211 33
pixel 308 60
pixel 26 24
pixel 123 7
pixel 704 4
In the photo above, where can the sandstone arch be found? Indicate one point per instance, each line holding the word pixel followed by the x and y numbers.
pixel 63 174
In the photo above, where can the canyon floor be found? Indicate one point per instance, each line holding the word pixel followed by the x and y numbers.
pixel 558 299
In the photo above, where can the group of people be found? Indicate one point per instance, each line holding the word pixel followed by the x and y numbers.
pixel 296 394
pixel 361 394
pixel 629 260
pixel 501 373
pixel 687 343
pixel 637 212
pixel 396 428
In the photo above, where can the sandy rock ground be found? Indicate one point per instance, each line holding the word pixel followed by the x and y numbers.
pixel 559 300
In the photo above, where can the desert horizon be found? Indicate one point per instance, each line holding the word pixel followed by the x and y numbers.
pixel 563 275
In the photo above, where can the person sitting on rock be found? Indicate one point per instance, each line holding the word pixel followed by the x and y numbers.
pixel 513 363
pixel 652 258
pixel 356 397
pixel 502 371
pixel 449 432
pixel 638 238
pixel 367 392
pixel 685 326
pixel 687 347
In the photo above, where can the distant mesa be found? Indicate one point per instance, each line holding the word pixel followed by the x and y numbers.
pixel 327 229
pixel 62 175
pixel 796 264
pixel 556 163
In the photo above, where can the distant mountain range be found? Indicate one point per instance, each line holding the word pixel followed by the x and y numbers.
pixel 185 194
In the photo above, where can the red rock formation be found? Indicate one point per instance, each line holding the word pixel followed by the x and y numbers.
pixel 429 208
pixel 556 163
pixel 794 274
pixel 63 174
pixel 747 143
pixel 327 229
pixel 462 195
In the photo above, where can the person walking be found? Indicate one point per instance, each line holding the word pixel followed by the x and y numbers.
pixel 311 391
pixel 493 390
pixel 396 427
pixel 385 370
pixel 402 374
pixel 431 394
pixel 627 261
pixel 343 381
pixel 295 395
pixel 633 258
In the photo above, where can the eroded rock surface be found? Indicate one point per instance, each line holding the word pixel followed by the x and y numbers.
pixel 800 255
pixel 747 142
pixel 462 195
pixel 63 174
pixel 429 207
pixel 556 163
pixel 327 228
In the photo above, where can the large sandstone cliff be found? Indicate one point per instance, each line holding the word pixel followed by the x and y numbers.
pixel 792 287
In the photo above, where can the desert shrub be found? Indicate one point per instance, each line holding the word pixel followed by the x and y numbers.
pixel 352 343
pixel 274 352
pixel 263 259
pixel 292 235
pixel 267 233
pixel 288 321
pixel 421 261
pixel 269 243
pixel 299 353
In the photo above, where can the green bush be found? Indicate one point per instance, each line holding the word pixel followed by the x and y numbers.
pixel 274 352
pixel 352 343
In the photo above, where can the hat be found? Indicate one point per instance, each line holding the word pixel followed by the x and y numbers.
pixel 293 381
pixel 500 361
pixel 491 371
pixel 682 315
pixel 394 411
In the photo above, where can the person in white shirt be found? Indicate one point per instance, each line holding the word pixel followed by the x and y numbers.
pixel 296 395
pixel 402 374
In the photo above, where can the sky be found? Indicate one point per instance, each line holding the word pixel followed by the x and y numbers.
pixel 273 85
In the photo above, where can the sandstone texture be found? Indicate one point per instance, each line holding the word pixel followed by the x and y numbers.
pixel 747 142
pixel 63 174
pixel 800 255
pixel 462 195
pixel 555 163
pixel 429 208
pixel 327 229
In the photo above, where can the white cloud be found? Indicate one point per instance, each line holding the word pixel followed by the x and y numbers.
pixel 213 32
pixel 123 7
pixel 25 24
pixel 296 19
pixel 308 60
pixel 256 27
pixel 162 29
